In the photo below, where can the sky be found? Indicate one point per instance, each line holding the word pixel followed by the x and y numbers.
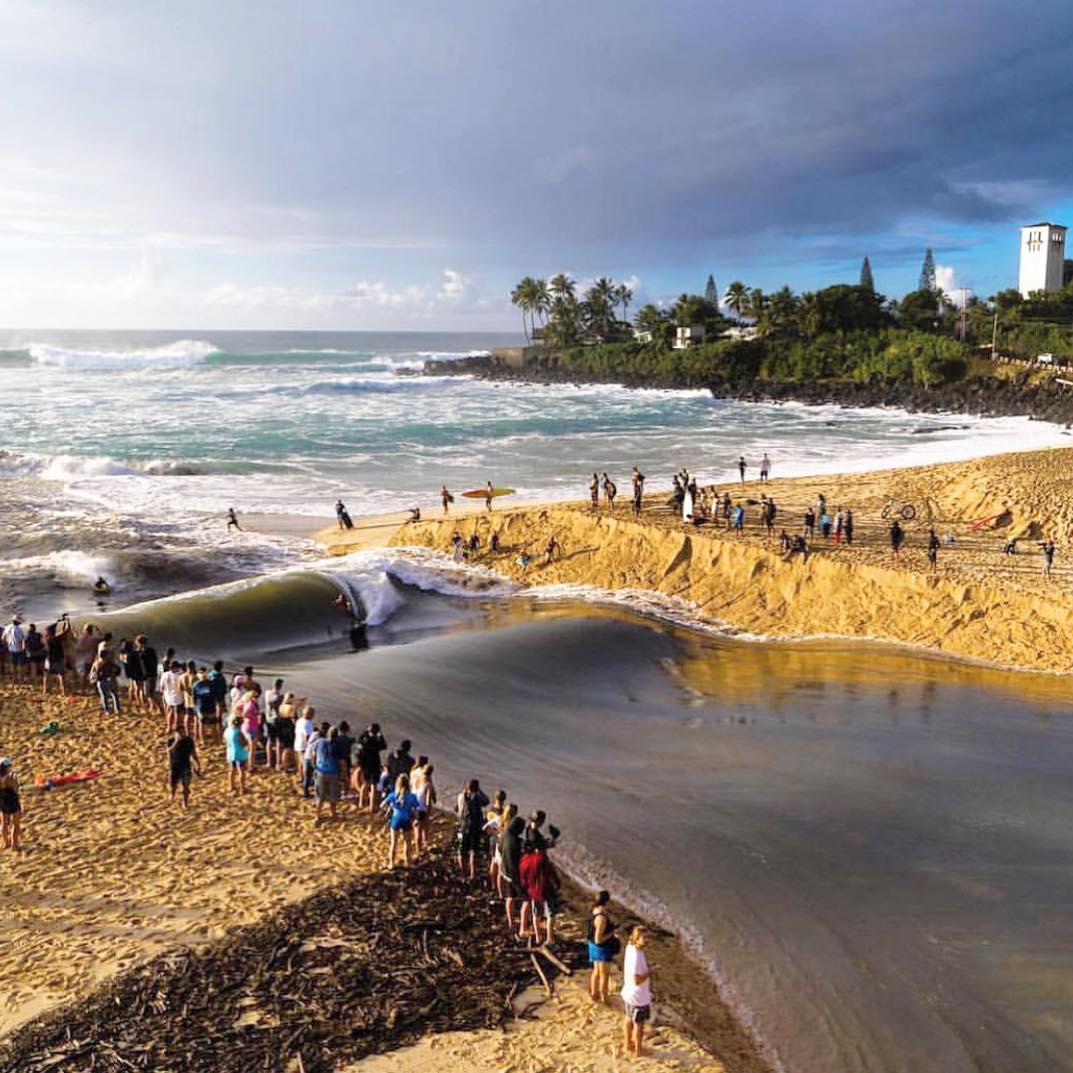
pixel 401 164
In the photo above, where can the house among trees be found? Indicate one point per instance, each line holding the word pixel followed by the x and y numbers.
pixel 686 335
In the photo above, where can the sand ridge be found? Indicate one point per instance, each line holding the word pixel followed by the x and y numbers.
pixel 979 603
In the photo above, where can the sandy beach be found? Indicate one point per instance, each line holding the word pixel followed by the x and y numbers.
pixel 978 603
pixel 111 877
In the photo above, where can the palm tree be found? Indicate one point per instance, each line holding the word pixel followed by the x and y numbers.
pixel 737 297
pixel 541 300
pixel 757 303
pixel 562 287
pixel 522 297
pixel 623 297
pixel 600 299
pixel 781 313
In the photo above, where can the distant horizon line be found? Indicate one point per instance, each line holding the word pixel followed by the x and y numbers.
pixel 293 331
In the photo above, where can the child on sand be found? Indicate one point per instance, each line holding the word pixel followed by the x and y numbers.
pixel 401 806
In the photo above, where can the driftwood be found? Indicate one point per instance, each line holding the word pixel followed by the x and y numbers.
pixel 358 969
pixel 540 973
pixel 556 962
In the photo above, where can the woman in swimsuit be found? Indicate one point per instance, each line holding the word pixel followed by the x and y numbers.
pixel 10 807
pixel 601 949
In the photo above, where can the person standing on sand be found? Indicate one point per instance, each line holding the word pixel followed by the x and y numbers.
pixel 232 520
pixel 741 468
pixel 14 638
pixel 469 808
pixel 183 761
pixel 636 992
pixel 55 660
pixel 10 807
pixel 304 730
pixel 489 495
pixel 239 747
pixel 342 515
pixel 594 492
pixel 847 526
pixel 810 523
pixel 104 674
pixel 933 550
pixel 610 491
pixel 897 538
pixel 326 773
pixel 371 744
pixel 1048 557
pixel 510 859
pixel 739 521
pixel 765 467
pixel 426 798
pixel 638 479
pixel 601 947
pixel 446 499
pixel 401 806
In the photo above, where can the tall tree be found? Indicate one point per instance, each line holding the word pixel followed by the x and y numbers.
pixel 599 302
pixel 927 273
pixel 651 318
pixel 866 275
pixel 757 303
pixel 623 297
pixel 522 297
pixel 562 286
pixel 711 293
pixel 541 300
pixel 738 298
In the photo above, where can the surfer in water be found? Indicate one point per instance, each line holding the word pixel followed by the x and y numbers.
pixel 343 605
pixel 101 587
pixel 232 520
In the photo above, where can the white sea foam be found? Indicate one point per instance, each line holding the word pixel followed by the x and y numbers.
pixel 68 569
pixel 183 352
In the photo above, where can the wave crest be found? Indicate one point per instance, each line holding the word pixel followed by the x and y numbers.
pixel 170 355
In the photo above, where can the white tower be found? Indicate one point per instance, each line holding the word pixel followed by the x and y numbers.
pixel 1043 250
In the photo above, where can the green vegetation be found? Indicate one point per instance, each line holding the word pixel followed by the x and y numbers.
pixel 848 333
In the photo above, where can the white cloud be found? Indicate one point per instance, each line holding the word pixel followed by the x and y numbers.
pixel 556 168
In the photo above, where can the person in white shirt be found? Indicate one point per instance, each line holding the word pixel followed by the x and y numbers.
pixel 304 729
pixel 636 992
pixel 14 638
pixel 171 691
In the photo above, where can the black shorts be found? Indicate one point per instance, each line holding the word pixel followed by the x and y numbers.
pixel 370 773
pixel 469 843
pixel 272 731
pixel 510 887
pixel 180 775
pixel 286 739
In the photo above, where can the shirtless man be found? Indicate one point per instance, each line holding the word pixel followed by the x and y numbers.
pixel 232 520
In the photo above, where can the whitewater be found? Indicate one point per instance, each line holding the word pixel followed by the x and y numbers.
pixel 120 452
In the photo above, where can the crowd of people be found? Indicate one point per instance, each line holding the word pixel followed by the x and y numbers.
pixel 204 708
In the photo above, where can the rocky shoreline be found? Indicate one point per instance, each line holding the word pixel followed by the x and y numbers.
pixel 982 396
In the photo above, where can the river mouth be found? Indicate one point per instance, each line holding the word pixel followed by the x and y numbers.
pixel 871 849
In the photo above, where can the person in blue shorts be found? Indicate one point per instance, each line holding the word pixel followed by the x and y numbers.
pixel 401 806
pixel 602 947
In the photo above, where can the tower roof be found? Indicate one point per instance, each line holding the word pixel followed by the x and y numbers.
pixel 1059 227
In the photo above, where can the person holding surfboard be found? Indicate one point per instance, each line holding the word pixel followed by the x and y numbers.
pixel 594 492
pixel 489 495
pixel 446 499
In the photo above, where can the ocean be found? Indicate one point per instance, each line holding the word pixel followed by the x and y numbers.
pixel 870 849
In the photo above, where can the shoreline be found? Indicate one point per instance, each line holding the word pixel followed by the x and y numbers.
pixel 978 604
pixel 994 390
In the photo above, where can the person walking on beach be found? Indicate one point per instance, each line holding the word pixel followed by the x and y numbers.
pixel 810 523
pixel 446 499
pixel 239 747
pixel 765 467
pixel 183 761
pixel 171 690
pixel 342 515
pixel 232 520
pixel 594 492
pixel 636 992
pixel 1048 557
pixel 602 947
pixel 10 807
pixel 728 507
pixel 897 538
pixel 426 799
pixel 933 551
pixel 401 807
pixel 540 885
pixel 304 730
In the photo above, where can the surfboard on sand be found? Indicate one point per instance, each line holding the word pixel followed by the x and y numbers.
pixel 480 493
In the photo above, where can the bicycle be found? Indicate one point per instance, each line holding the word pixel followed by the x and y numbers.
pixel 908 511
